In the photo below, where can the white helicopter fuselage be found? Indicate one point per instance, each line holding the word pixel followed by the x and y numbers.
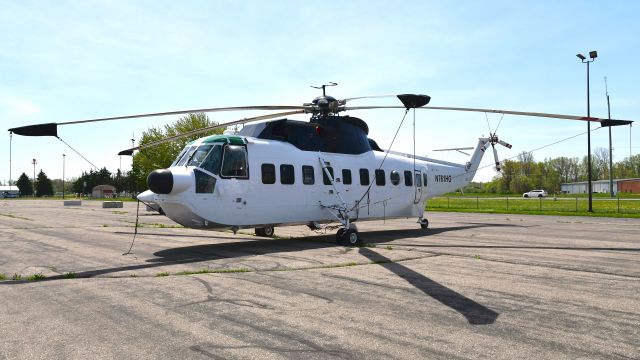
pixel 283 185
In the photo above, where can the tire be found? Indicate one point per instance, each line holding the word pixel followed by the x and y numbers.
pixel 525 195
pixel 351 237
pixel 266 231
pixel 340 238
pixel 539 196
pixel 424 224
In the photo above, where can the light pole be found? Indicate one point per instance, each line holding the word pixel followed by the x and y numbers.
pixel 63 156
pixel 593 55
pixel 34 162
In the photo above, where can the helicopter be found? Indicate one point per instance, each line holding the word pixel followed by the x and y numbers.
pixel 289 172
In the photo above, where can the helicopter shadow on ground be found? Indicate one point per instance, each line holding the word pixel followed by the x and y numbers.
pixel 236 249
pixel 475 313
pixel 202 253
pixel 383 236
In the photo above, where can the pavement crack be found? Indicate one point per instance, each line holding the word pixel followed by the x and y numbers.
pixel 212 298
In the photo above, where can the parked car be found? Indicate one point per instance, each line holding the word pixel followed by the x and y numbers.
pixel 535 193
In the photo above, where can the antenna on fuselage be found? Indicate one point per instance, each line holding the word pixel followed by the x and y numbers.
pixel 323 87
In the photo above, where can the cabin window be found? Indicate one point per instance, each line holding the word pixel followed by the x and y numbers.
pixel 395 177
pixel 380 180
pixel 287 175
pixel 187 155
pixel 418 180
pixel 205 183
pixel 364 177
pixel 268 173
pixel 408 179
pixel 346 176
pixel 308 175
pixel 199 155
pixel 234 163
pixel 424 179
pixel 213 160
pixel 325 178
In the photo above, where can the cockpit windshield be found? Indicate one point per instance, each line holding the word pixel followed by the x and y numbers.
pixel 213 160
pixel 199 155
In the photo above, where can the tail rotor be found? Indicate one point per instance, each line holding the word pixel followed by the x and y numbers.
pixel 493 140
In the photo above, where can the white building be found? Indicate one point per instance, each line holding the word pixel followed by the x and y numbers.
pixel 601 186
pixel 9 191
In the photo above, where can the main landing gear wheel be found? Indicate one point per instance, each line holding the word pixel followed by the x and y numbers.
pixel 348 237
pixel 424 224
pixel 267 231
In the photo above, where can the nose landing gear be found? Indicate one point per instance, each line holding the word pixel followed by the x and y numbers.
pixel 348 237
pixel 266 231
pixel 424 223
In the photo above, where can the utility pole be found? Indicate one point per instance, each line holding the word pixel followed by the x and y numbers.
pixel 34 162
pixel 63 156
pixel 610 147
pixel 135 187
pixel 10 144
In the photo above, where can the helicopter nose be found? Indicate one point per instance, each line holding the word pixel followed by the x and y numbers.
pixel 160 181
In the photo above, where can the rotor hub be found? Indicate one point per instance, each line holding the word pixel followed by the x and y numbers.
pixel 325 105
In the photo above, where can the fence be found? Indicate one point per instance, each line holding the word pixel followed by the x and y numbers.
pixel 548 204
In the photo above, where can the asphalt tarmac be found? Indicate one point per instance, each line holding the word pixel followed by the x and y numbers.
pixel 474 286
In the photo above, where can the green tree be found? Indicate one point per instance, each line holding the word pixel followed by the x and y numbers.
pixel 526 174
pixel 161 156
pixel 24 185
pixel 43 185
pixel 627 168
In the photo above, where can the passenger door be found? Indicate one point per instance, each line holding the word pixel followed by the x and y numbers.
pixel 418 187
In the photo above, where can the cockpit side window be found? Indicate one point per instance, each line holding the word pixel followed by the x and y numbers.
pixel 234 163
pixel 179 157
pixel 187 156
pixel 199 155
pixel 213 160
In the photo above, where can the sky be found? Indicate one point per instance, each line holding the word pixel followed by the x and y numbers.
pixel 72 60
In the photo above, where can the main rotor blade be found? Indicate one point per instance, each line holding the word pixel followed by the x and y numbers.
pixel 454 149
pixel 409 101
pixel 495 111
pixel 218 126
pixel 180 112
pixel 50 129
pixel 368 97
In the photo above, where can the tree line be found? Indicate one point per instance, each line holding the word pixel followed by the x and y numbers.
pixel 123 182
pixel 524 173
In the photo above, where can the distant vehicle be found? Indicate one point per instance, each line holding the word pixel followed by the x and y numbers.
pixel 535 193
pixel 8 195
